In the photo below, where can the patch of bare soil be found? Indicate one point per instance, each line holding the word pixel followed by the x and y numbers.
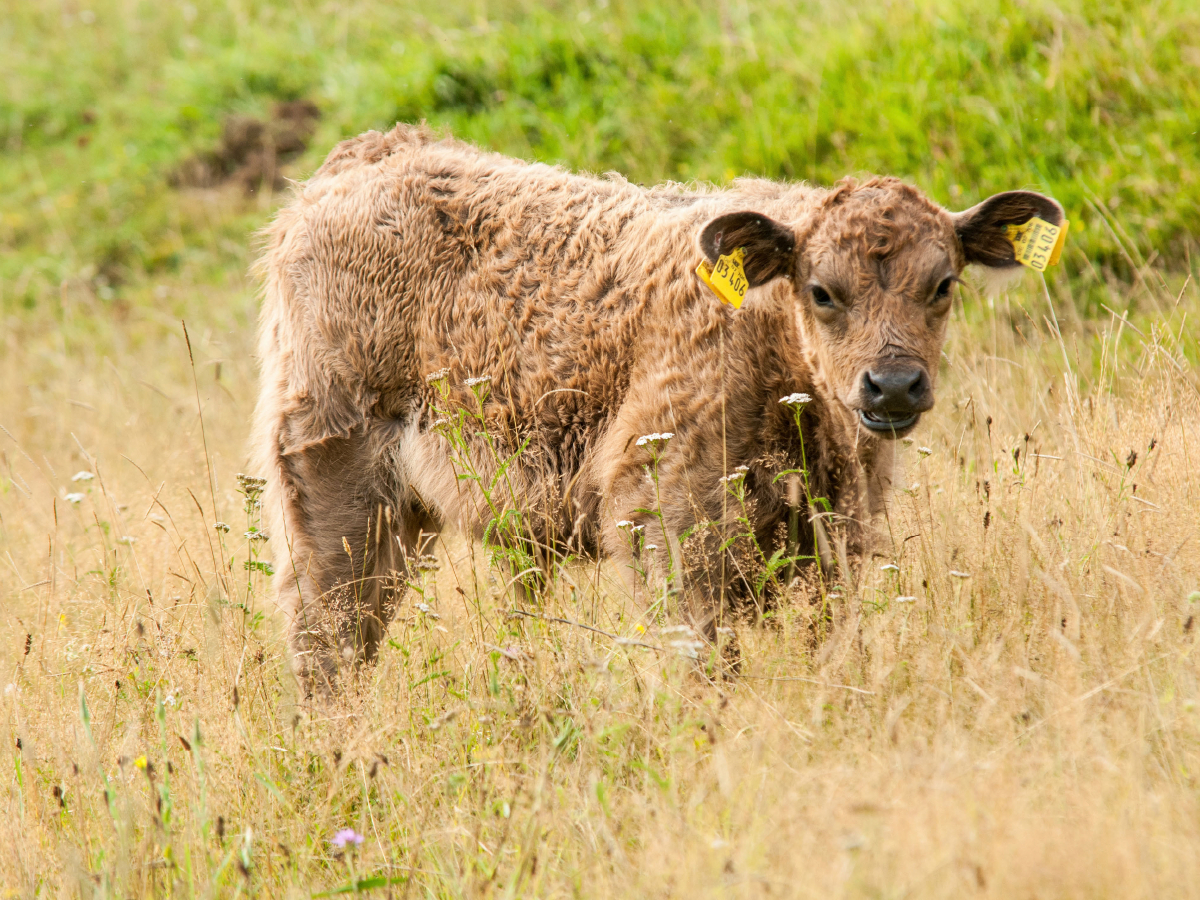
pixel 252 151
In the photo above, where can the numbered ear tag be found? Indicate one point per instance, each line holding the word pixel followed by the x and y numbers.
pixel 1037 243
pixel 727 278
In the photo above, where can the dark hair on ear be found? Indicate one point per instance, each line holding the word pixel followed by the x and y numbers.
pixel 982 229
pixel 769 248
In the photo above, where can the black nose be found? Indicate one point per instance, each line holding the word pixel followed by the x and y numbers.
pixel 897 389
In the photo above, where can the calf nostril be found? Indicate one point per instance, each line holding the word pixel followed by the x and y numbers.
pixel 895 388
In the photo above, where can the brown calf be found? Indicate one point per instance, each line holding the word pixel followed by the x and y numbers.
pixel 577 299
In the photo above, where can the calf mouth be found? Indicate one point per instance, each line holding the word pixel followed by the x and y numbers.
pixel 886 424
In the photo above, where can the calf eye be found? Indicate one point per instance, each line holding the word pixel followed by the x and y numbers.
pixel 821 296
pixel 943 289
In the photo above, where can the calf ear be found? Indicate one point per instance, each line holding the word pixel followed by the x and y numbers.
pixel 768 248
pixel 981 229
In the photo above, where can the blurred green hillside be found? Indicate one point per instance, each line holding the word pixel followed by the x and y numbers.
pixel 107 104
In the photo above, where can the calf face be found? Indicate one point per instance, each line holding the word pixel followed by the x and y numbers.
pixel 871 273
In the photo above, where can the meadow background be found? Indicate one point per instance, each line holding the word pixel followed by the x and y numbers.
pixel 1024 726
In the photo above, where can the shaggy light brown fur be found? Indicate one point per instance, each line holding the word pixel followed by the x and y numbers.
pixel 406 254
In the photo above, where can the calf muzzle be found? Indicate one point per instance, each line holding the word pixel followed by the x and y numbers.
pixel 892 396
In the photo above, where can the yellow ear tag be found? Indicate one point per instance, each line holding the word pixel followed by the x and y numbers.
pixel 727 278
pixel 1037 243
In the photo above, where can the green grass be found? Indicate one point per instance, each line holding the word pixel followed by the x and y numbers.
pixel 1095 103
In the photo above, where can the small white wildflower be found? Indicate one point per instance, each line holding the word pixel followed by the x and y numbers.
pixel 426 609
pixel 82 476
pixel 957 574
pixel 444 719
pixel 651 546
pixel 742 469
pixel 478 380
pixel 624 523
pixel 655 438
pixel 637 529
pixel 256 536
pixel 906 599
pixel 221 527
pixel 127 540
pixel 687 648
pixel 440 422
pixel 75 498
pixel 889 567
pixel 628 642
pixel 797 399
pixel 678 629
pixel 924 451
pixel 169 700
pixel 440 374
pixel 733 478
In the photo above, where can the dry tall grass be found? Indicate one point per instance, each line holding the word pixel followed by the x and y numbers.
pixel 1010 713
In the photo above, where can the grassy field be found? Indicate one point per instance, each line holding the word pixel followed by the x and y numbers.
pixel 1026 727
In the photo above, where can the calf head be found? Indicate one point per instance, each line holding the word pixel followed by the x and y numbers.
pixel 870 274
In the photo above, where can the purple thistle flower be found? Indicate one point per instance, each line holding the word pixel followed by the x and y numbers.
pixel 346 836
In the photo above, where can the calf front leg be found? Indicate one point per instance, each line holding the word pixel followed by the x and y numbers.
pixel 348 536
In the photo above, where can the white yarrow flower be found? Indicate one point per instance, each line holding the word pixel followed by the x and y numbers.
pixel 478 380
pixel 75 498
pixel 796 399
pixel 685 630
pixel 655 438
pixel 690 649
pixel 624 523
pixel 82 476
pixel 924 451
pixel 906 599
pixel 957 574
pixel 437 376
pixel 889 567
